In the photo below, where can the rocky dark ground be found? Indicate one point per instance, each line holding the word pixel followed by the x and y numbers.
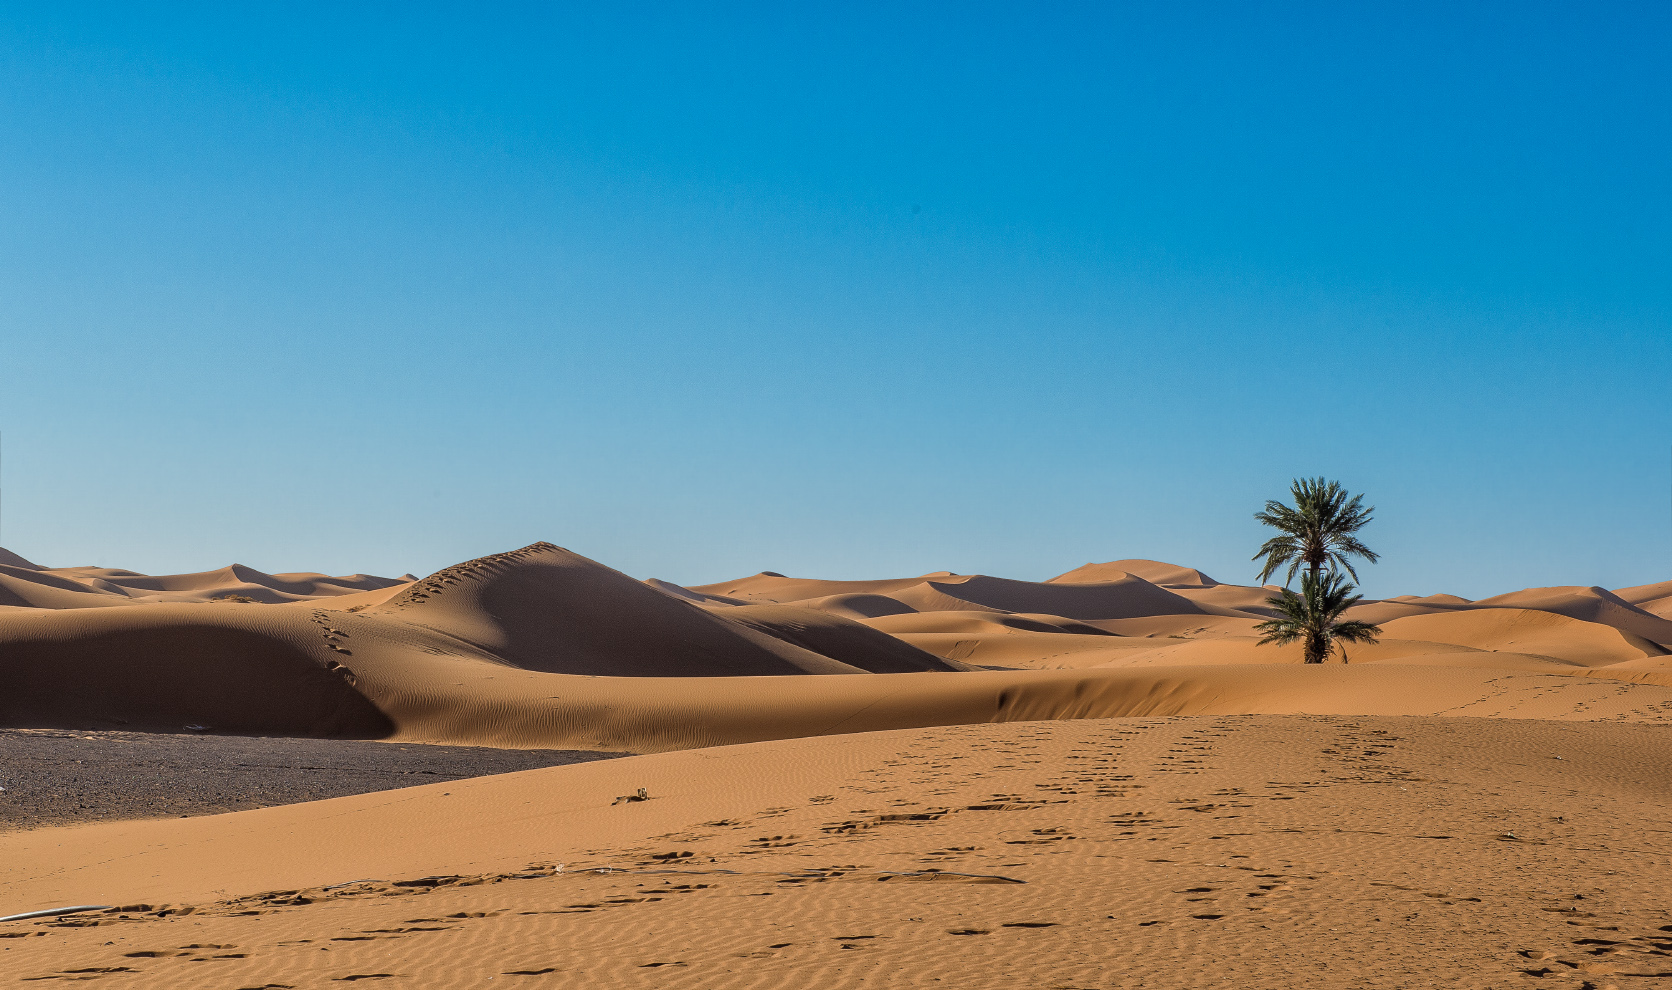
pixel 58 777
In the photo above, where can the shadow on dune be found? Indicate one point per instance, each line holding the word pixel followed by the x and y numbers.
pixel 544 608
pixel 541 647
pixel 162 671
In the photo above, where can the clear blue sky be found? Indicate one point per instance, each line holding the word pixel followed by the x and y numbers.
pixel 707 291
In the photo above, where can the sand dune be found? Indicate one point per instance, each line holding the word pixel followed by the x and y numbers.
pixel 543 608
pixel 244 668
pixel 540 647
pixel 1153 571
pixel 770 587
pixel 1094 781
pixel 863 606
pixel 1656 599
pixel 1120 598
pixel 20 588
pixel 353 601
pixel 1007 640
pixel 9 559
pixel 1527 631
pixel 839 638
pixel 29 585
pixel 1429 599
pixel 1112 595
pixel 1590 605
pixel 232 681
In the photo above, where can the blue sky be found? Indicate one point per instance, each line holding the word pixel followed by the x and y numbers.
pixel 708 290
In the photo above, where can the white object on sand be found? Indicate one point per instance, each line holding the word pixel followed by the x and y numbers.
pixel 51 912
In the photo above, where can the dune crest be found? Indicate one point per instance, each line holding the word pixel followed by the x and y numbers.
pixel 547 609
pixel 540 647
pixel 1153 571
pixel 9 559
pixel 28 585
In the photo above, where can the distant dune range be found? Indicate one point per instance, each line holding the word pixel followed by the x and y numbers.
pixel 540 647
pixel 1289 833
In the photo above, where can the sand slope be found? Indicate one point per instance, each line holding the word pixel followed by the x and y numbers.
pixel 246 668
pixel 544 608
pixel 838 637
pixel 23 584
pixel 943 780
pixel 541 647
pixel 1527 631
pixel 1153 571
pixel 1656 599
pixel 1590 605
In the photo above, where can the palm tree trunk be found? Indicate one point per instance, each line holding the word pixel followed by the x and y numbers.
pixel 1317 648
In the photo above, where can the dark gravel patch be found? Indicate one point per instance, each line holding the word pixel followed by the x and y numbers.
pixel 59 777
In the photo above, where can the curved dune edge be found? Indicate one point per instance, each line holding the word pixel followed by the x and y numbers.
pixel 255 669
pixel 683 713
pixel 541 647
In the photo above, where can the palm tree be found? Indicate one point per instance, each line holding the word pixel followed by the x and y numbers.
pixel 1317 531
pixel 1314 616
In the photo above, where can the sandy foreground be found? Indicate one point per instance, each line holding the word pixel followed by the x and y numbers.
pixel 1261 851
pixel 1095 781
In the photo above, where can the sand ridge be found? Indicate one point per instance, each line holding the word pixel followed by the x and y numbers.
pixel 543 648
pixel 28 585
pixel 1095 781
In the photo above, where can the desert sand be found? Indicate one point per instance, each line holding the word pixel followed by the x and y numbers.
pixel 1093 781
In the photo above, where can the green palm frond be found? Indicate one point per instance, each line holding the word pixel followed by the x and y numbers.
pixel 1317 531
pixel 1314 615
pixel 1356 632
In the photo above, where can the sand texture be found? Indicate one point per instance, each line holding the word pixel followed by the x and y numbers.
pixel 543 648
pixel 946 780
pixel 1249 851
